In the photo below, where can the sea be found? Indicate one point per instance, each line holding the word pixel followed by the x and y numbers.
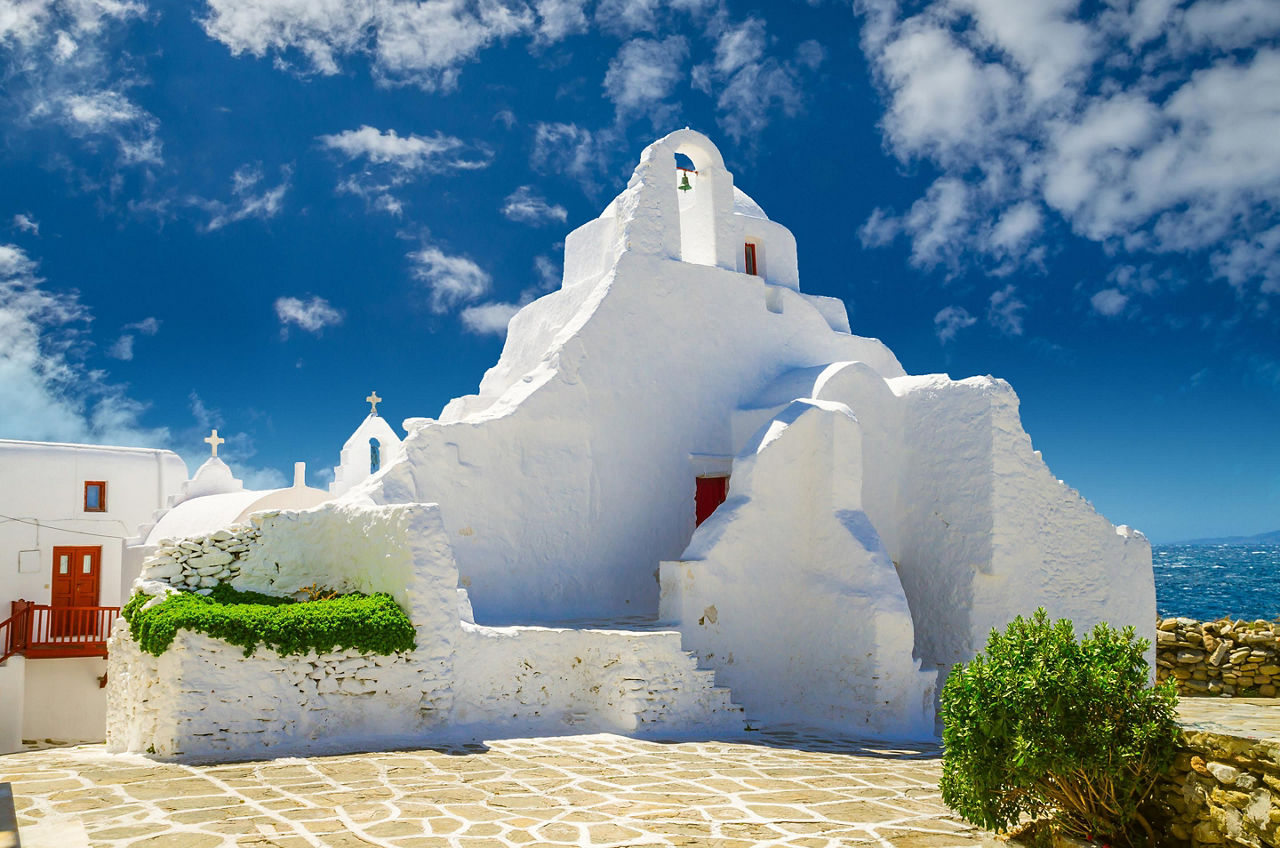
pixel 1208 582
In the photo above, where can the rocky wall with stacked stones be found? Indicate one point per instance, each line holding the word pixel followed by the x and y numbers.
pixel 1224 657
pixel 1223 790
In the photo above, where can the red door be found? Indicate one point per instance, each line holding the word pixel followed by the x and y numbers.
pixel 711 492
pixel 76 572
pixel 750 264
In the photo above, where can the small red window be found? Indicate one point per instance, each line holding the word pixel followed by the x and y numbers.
pixel 711 492
pixel 95 496
pixel 750 266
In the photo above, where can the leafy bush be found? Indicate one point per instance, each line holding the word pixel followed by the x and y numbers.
pixel 373 624
pixel 1044 726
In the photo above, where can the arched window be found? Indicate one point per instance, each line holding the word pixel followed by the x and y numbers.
pixel 375 456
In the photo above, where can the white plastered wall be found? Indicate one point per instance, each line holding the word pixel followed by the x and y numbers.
pixel 788 592
pixel 202 697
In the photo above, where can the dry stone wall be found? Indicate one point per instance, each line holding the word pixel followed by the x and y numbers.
pixel 1223 790
pixel 200 563
pixel 1224 657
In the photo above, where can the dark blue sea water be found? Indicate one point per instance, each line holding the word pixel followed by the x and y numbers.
pixel 1210 581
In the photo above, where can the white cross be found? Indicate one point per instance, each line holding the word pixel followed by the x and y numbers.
pixel 373 401
pixel 213 442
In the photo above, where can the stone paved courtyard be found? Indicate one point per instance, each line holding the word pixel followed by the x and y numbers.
pixel 777 788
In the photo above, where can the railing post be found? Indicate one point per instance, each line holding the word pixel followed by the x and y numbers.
pixel 21 624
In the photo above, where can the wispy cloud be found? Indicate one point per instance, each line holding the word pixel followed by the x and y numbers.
pixel 122 349
pixel 24 223
pixel 489 318
pixel 47 393
pixel 313 314
pixel 64 67
pixel 643 76
pixel 574 151
pixel 1109 302
pixel 526 206
pixel 950 320
pixel 250 198
pixel 749 85
pixel 383 160
pixel 1005 311
pixel 432 153
pixel 450 279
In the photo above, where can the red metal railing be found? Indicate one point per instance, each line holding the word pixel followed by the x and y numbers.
pixel 40 631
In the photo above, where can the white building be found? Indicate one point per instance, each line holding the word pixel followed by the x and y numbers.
pixel 64 511
pixel 677 433
pixel 76 522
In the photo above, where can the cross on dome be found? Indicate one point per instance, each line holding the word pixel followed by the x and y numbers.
pixel 373 401
pixel 213 441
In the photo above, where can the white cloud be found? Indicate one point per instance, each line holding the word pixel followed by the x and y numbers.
pixel 751 86
pixel 489 318
pixel 1256 258
pixel 408 42
pixel 1135 126
pixel 388 160
pixel 525 206
pixel 47 392
pixel 574 151
pixel 560 18
pixel 451 280
pixel 950 321
pixel 1005 311
pixel 147 326
pixel 122 349
pixel 1109 302
pixel 24 223
pixel 644 75
pixel 493 317
pixel 65 65
pixel 412 152
pixel 549 273
pixel 312 315
pixel 251 199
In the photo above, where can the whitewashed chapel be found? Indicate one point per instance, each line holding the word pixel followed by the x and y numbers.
pixel 685 497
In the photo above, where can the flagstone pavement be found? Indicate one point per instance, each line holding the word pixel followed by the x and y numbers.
pixel 776 788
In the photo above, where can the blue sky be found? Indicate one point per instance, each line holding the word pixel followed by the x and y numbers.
pixel 246 214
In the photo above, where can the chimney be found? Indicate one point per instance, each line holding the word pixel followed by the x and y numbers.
pixel 299 475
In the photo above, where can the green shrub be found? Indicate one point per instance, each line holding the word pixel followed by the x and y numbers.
pixel 1044 726
pixel 373 624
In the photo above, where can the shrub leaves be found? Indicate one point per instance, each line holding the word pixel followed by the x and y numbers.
pixel 1042 725
pixel 372 624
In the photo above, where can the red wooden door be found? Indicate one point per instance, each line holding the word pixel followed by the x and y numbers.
pixel 750 265
pixel 711 492
pixel 76 573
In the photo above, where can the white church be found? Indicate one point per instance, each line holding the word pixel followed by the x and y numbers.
pixel 686 499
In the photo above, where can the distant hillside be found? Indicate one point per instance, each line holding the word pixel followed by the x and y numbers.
pixel 1272 538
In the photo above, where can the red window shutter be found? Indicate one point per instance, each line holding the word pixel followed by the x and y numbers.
pixel 750 265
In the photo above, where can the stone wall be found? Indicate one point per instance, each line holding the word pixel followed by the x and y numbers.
pixel 1223 657
pixel 1224 790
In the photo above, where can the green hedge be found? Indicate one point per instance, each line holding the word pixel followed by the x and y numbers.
pixel 372 624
